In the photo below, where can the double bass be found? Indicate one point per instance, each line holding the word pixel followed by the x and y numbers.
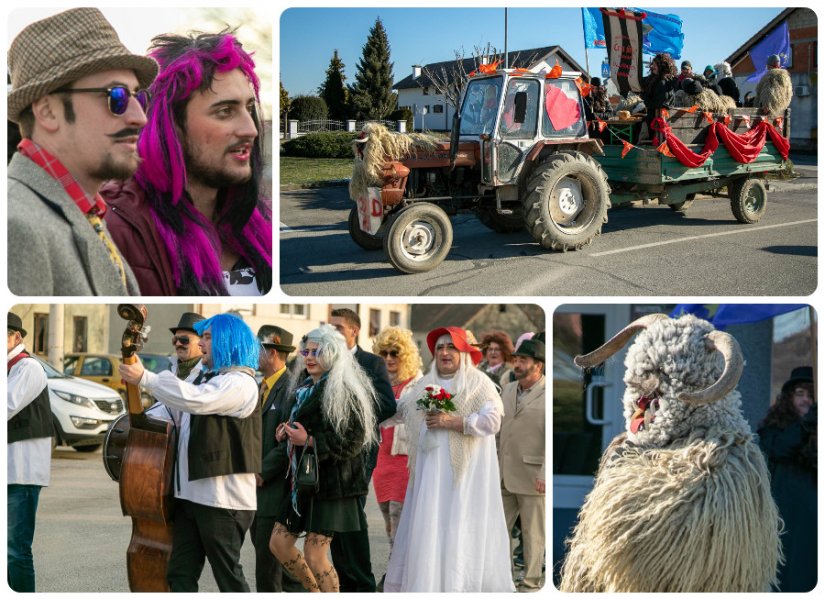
pixel 139 453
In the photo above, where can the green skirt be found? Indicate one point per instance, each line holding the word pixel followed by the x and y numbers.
pixel 326 516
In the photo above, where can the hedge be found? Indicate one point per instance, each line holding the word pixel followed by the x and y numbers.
pixel 325 144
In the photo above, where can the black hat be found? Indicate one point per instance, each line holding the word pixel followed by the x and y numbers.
pixel 800 374
pixel 272 337
pixel 15 324
pixel 595 81
pixel 187 322
pixel 692 87
pixel 531 348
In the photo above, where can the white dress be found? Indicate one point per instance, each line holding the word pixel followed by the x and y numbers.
pixel 453 538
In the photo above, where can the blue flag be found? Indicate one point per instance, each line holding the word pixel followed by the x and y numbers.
pixel 778 42
pixel 593 28
pixel 660 33
pixel 728 314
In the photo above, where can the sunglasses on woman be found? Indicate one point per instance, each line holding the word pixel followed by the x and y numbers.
pixel 118 96
pixel 310 352
pixel 393 353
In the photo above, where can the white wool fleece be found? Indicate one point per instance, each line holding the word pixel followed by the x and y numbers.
pixel 670 356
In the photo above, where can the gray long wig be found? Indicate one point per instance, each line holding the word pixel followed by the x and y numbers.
pixel 349 393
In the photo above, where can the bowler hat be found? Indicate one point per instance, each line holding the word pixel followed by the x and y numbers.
pixel 15 324
pixel 274 337
pixel 800 374
pixel 53 52
pixel 459 337
pixel 531 348
pixel 187 322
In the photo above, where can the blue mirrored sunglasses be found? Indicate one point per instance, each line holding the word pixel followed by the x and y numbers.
pixel 117 95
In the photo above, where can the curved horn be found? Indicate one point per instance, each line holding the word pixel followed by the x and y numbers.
pixel 618 341
pixel 734 365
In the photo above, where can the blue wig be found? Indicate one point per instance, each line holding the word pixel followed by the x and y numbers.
pixel 233 343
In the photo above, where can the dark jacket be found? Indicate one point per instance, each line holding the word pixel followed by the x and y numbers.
pixel 341 458
pixel 35 420
pixel 385 404
pixel 134 231
pixel 729 88
pixel 657 93
pixel 791 456
pixel 273 495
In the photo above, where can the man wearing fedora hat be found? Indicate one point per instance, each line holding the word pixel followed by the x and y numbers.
pixel 273 494
pixel 521 456
pixel 187 345
pixel 29 452
pixel 79 96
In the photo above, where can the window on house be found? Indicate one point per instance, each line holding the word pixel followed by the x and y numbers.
pixel 294 310
pixel 79 334
pixel 375 322
pixel 40 335
pixel 395 318
pixel 426 91
pixel 438 109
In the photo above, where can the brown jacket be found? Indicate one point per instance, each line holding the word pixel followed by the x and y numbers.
pixel 133 229
pixel 521 439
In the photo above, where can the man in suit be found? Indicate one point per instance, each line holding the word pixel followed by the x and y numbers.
pixel 276 346
pixel 79 100
pixel 521 456
pixel 351 550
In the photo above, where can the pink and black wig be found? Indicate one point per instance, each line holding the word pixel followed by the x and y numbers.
pixel 189 64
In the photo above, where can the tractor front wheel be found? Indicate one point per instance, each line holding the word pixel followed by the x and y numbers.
pixel 566 201
pixel 418 238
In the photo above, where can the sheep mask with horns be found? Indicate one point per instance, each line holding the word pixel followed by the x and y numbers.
pixel 681 501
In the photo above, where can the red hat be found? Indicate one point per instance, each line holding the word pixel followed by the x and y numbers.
pixel 459 337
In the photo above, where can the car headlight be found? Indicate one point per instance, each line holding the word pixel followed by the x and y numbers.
pixel 87 423
pixel 78 400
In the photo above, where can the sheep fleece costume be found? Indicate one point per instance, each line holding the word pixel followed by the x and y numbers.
pixel 774 91
pixel 683 504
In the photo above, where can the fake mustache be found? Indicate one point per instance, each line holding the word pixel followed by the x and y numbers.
pixel 125 133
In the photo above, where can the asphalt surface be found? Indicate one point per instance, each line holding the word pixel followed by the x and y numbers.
pixel 643 250
pixel 81 534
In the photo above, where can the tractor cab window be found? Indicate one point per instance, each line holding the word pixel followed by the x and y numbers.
pixel 563 111
pixel 481 100
pixel 519 116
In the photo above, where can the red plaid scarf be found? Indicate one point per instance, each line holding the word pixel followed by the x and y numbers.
pixel 55 168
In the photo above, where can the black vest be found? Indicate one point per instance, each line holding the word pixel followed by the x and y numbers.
pixel 220 445
pixel 35 420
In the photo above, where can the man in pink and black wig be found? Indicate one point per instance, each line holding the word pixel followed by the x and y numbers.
pixel 193 220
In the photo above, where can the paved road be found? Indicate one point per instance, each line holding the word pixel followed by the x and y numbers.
pixel 81 537
pixel 643 250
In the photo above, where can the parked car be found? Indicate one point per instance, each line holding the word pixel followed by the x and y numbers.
pixel 100 368
pixel 82 410
pixel 155 362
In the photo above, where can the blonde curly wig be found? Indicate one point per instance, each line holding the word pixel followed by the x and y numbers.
pixel 409 360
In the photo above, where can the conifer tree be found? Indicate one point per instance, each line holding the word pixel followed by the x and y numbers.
pixel 284 105
pixel 371 97
pixel 332 90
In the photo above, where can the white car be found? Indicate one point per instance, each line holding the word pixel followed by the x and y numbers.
pixel 82 410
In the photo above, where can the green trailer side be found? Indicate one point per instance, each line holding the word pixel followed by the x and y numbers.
pixel 645 173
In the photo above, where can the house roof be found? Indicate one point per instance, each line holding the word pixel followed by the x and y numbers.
pixel 516 59
pixel 740 53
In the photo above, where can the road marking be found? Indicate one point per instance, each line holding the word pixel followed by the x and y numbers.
pixel 285 229
pixel 694 237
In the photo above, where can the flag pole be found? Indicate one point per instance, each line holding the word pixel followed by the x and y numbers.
pixel 587 63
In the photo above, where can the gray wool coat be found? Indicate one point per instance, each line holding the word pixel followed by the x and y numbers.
pixel 53 250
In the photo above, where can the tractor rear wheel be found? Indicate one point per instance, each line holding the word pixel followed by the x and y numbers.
pixel 566 201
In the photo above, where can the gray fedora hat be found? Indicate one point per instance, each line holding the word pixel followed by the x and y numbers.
pixel 53 52
pixel 274 337
pixel 531 348
pixel 16 324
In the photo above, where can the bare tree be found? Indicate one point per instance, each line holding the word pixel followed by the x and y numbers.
pixel 450 79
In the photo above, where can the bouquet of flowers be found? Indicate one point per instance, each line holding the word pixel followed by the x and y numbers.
pixel 436 399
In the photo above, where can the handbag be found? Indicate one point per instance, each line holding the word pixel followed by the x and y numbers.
pixel 307 477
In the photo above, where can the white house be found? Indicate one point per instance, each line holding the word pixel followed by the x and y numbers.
pixel 431 110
